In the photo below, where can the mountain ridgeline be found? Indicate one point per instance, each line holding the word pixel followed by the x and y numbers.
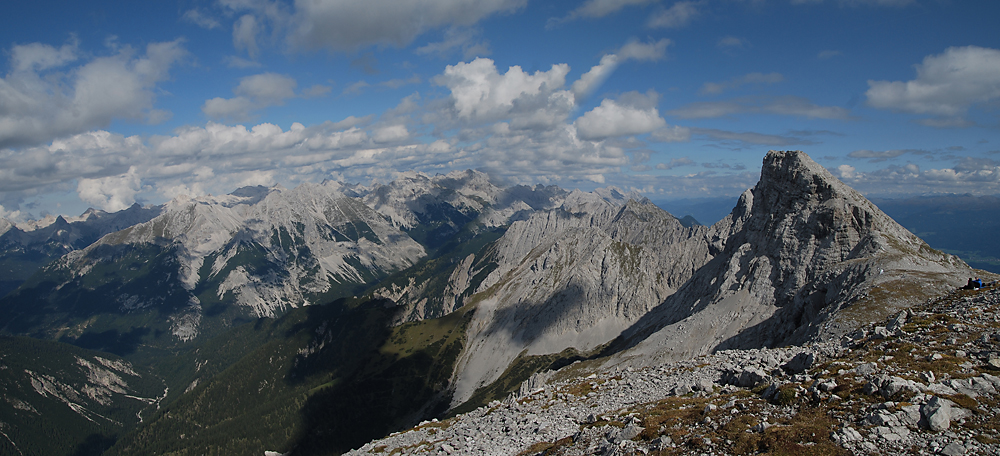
pixel 312 320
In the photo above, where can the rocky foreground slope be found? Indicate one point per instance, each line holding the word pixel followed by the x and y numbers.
pixel 922 382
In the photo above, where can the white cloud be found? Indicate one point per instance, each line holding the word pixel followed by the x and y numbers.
pixel 112 193
pixel 245 32
pixel 977 176
pixel 612 119
pixel 41 103
pixel 480 92
pixel 735 83
pixel 38 56
pixel 237 108
pixel 637 50
pixel 592 79
pixel 845 171
pixel 393 133
pixel 678 15
pixel 633 50
pixel 947 85
pixel 10 216
pixel 343 25
pixel 254 93
pixel 267 87
pixel 672 133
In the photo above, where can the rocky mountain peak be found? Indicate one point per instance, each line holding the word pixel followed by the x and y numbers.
pixel 5 225
pixel 797 248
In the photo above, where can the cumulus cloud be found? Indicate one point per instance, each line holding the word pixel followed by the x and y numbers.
pixel 735 83
pixel 634 115
pixel 112 193
pixel 43 100
pixel 511 123
pixel 245 32
pixel 678 15
pixel 786 105
pixel 38 56
pixel 947 85
pixel 393 133
pixel 254 93
pixel 11 216
pixel 480 93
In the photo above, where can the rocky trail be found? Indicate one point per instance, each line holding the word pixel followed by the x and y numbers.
pixel 922 382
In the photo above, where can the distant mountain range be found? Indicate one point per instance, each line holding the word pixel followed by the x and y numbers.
pixel 312 320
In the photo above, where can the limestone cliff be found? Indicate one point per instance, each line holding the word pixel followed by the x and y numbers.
pixel 802 254
pixel 575 277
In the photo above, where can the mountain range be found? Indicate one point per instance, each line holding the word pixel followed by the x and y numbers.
pixel 312 320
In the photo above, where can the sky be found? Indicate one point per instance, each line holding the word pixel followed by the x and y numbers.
pixel 108 103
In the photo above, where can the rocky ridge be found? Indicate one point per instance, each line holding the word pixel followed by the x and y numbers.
pixel 574 278
pixel 797 249
pixel 26 247
pixel 259 251
pixel 922 382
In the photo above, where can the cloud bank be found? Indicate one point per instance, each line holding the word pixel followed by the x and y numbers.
pixel 44 97
pixel 947 86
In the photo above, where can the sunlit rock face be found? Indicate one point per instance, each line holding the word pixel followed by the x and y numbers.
pixel 797 248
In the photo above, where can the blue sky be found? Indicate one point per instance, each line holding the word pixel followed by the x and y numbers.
pixel 107 103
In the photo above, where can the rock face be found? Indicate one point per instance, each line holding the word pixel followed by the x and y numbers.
pixel 259 251
pixel 798 248
pixel 575 277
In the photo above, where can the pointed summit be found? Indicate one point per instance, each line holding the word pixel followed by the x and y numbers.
pixel 797 250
